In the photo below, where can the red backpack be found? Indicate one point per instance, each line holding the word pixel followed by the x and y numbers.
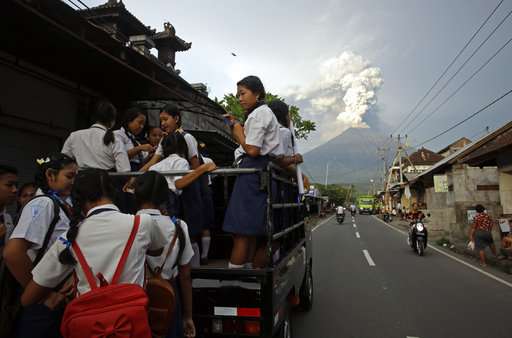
pixel 112 310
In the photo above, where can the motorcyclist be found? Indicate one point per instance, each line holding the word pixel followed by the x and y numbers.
pixel 340 210
pixel 353 209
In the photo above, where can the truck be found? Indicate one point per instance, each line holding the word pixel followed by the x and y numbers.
pixel 366 204
pixel 256 302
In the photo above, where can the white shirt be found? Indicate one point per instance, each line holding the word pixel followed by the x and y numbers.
pixel 34 222
pixel 102 239
pixel 168 228
pixel 87 148
pixel 261 130
pixel 123 137
pixel 340 210
pixel 208 160
pixel 286 146
pixel 191 145
pixel 172 162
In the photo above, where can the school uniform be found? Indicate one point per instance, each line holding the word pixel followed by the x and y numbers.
pixel 6 220
pixel 246 212
pixel 286 142
pixel 207 196
pixel 129 141
pixel 102 238
pixel 286 193
pixel 87 148
pixel 38 321
pixel 191 201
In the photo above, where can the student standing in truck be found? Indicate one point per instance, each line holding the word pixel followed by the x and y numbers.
pixel 258 139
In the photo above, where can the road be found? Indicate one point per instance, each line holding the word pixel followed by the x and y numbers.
pixel 370 284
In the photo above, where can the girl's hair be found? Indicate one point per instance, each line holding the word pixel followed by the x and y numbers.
pixel 175 144
pixel 151 187
pixel 131 114
pixel 55 162
pixel 7 169
pixel 280 110
pixel 480 208
pixel 174 111
pixel 105 113
pixel 90 186
pixel 254 84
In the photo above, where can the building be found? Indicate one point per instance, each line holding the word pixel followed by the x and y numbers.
pixel 450 189
pixel 496 150
pixel 454 147
pixel 55 61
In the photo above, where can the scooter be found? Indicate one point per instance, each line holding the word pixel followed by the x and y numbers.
pixel 387 217
pixel 418 237
pixel 340 218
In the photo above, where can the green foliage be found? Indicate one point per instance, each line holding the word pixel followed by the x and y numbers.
pixel 302 127
pixel 336 193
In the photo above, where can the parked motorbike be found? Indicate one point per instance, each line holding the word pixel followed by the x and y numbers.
pixel 387 217
pixel 418 236
pixel 340 218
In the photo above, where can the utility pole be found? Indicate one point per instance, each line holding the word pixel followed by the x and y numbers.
pixel 383 151
pixel 326 173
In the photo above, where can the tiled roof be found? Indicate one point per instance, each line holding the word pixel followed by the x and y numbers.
pixel 425 157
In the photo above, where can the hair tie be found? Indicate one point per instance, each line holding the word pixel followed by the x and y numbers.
pixel 64 241
pixel 42 161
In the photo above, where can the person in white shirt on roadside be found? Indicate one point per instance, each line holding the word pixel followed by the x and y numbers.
pixel 97 147
pixel 102 237
pixel 151 194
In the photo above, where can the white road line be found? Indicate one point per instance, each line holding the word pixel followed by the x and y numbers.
pixel 485 273
pixel 411 337
pixel 357 235
pixel 355 226
pixel 368 258
pixel 322 223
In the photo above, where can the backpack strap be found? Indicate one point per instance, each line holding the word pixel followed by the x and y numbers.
pixel 51 228
pixel 182 239
pixel 126 252
pixel 158 270
pixel 85 267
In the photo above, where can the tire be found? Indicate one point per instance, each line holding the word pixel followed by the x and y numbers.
pixel 306 292
pixel 420 245
pixel 286 327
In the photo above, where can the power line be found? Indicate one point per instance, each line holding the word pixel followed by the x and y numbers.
pixel 459 69
pixel 466 119
pixel 449 66
pixel 461 86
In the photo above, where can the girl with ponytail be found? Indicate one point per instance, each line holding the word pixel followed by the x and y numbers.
pixel 151 194
pixel 97 147
pixel 102 232
pixel 41 222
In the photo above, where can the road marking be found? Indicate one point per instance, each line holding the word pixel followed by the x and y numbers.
pixel 485 273
pixel 355 226
pixel 357 235
pixel 411 337
pixel 368 258
pixel 322 223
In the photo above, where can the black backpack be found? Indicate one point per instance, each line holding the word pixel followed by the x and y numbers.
pixel 11 290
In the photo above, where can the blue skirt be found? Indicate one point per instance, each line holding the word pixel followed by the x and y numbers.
pixel 192 205
pixel 247 209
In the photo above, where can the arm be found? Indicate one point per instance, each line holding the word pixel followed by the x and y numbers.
pixel 120 157
pixel 239 135
pixel 138 149
pixel 190 178
pixel 34 293
pixel 17 260
pixel 194 162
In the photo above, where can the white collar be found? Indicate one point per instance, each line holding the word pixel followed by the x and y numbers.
pixel 149 212
pixel 103 206
pixel 99 125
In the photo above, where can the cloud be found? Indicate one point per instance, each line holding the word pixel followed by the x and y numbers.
pixel 340 98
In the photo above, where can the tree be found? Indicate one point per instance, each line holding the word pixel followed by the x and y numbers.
pixel 336 193
pixel 302 127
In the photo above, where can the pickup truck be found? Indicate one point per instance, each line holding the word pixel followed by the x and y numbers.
pixel 256 302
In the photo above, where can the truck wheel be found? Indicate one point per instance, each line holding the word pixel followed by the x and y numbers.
pixel 286 327
pixel 306 289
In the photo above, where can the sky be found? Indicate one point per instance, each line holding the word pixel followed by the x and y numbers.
pixel 349 63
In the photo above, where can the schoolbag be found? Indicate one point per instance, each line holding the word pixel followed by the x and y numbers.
pixel 161 294
pixel 10 289
pixel 110 310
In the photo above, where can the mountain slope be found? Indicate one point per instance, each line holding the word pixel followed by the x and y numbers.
pixel 352 158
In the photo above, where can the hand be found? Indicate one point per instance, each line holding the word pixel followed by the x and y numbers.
pixel 130 185
pixel 238 133
pixel 146 147
pixel 53 300
pixel 209 167
pixel 189 329
pixel 3 230
pixel 297 159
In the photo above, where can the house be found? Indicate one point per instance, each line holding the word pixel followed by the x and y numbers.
pixel 55 61
pixel 454 147
pixel 496 150
pixel 450 189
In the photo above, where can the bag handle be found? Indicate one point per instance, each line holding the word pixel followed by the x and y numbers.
pixel 158 270
pixel 126 252
pixel 84 265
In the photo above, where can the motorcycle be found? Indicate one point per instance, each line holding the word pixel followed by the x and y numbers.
pixel 387 217
pixel 340 218
pixel 418 237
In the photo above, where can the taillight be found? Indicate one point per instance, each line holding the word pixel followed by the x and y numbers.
pixel 235 326
pixel 252 328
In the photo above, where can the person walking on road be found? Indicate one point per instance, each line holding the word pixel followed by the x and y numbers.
pixel 481 233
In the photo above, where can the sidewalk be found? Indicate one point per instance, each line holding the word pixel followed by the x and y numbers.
pixel 460 248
